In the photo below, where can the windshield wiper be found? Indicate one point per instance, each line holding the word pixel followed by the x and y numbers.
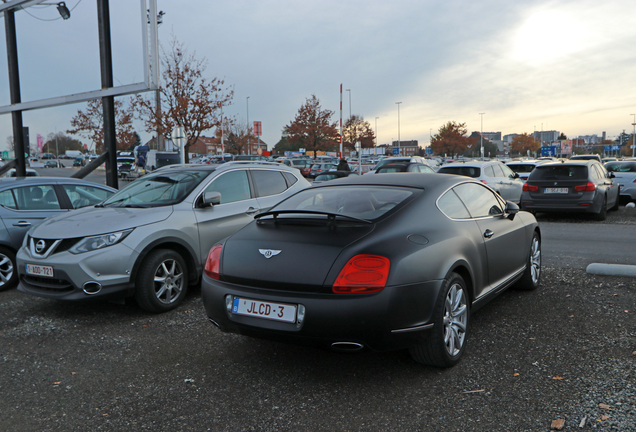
pixel 331 217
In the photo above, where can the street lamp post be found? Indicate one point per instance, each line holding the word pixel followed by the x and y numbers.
pixel 376 131
pixel 399 145
pixel 349 90
pixel 248 125
pixel 634 135
pixel 481 134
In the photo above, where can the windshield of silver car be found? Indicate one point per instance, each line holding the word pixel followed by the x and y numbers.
pixel 158 189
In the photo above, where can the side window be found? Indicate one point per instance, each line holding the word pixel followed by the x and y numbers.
pixel 452 206
pixel 480 201
pixel 291 179
pixel 269 182
pixel 507 171
pixel 498 171
pixel 602 171
pixel 37 198
pixel 594 173
pixel 488 171
pixel 7 199
pixel 82 196
pixel 233 186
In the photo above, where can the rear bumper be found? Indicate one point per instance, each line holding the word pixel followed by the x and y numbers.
pixel 395 318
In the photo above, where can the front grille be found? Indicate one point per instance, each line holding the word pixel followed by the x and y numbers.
pixel 45 247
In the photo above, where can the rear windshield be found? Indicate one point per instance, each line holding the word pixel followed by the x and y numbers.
pixel 559 172
pixel 392 168
pixel 522 168
pixel 461 170
pixel 621 166
pixel 364 202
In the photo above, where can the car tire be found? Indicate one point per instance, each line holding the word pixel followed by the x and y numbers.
pixel 447 342
pixel 162 281
pixel 8 273
pixel 602 213
pixel 532 275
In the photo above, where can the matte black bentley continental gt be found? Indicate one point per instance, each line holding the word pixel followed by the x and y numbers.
pixel 381 262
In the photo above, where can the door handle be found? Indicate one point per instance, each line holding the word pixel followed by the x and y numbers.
pixel 251 210
pixel 22 224
pixel 488 233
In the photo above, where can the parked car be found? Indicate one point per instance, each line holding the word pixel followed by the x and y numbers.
pixel 321 167
pixel 495 174
pixel 51 164
pixel 332 175
pixel 296 163
pixel 29 173
pixel 524 167
pixel 586 157
pixel 382 262
pixel 582 186
pixel 625 176
pixel 151 238
pixel 26 201
pixel 406 159
pixel 404 166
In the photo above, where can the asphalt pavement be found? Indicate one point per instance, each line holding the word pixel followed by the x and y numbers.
pixel 558 358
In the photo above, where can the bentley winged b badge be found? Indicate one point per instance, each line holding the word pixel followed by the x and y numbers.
pixel 268 253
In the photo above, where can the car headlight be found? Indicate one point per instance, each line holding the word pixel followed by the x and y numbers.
pixel 98 242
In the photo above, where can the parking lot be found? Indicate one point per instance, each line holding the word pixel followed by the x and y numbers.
pixel 563 352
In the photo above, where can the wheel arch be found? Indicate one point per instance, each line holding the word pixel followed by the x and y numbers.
pixel 177 245
pixel 462 268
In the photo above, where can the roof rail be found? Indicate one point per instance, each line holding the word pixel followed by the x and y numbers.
pixel 248 162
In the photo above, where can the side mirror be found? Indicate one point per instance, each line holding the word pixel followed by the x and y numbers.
pixel 511 210
pixel 611 174
pixel 210 199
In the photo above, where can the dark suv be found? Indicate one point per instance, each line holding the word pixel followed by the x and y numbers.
pixel 582 186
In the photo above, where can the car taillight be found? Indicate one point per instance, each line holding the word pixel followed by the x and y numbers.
pixel 530 188
pixel 588 187
pixel 363 274
pixel 213 261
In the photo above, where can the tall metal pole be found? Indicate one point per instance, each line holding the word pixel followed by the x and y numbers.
pixel 634 135
pixel 108 102
pixel 349 90
pixel 341 150
pixel 376 131
pixel 399 144
pixel 481 134
pixel 14 88
pixel 249 150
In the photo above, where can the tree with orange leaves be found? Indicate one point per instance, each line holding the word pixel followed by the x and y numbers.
pixel 89 123
pixel 523 143
pixel 450 140
pixel 312 129
pixel 188 99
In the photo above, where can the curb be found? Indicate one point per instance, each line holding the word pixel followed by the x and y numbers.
pixel 611 269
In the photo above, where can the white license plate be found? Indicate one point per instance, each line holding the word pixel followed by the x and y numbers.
pixel 556 190
pixel 267 310
pixel 39 270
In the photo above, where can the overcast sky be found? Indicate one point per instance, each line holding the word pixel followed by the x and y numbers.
pixel 527 65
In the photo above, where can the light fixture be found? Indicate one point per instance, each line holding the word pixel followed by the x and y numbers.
pixel 63 10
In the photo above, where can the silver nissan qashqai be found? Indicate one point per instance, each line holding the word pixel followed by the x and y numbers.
pixel 150 240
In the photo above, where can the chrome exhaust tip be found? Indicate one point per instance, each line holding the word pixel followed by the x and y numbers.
pixel 347 346
pixel 91 288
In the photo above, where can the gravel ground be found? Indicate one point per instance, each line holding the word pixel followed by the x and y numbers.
pixel 565 352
